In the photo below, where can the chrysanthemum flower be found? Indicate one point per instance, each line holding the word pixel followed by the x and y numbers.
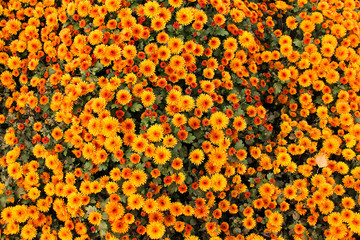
pixel 197 156
pixel 249 223
pixel 266 190
pixel 283 159
pixel 135 201
pixel 128 22
pixel 219 19
pixel 138 178
pixel 327 50
pixel 331 145
pixel 204 102
pixel 112 5
pixel 326 207
pixel 179 119
pixel 13 26
pixel 29 232
pixel 338 30
pixel 165 14
pixel 158 24
pixel 239 123
pixel 219 120
pixel 286 50
pixel 120 226
pixel 217 136
pixel 123 96
pixel 164 53
pixel 110 126
pixel 14 62
pixel 155 230
pixel 94 218
pixel 342 53
pixel 148 98
pixel 218 182
pixel 208 73
pixel 95 37
pixel 246 39
pixel 151 8
pixel 163 202
pixel 100 157
pixel 15 170
pixel 128 188
pixel 307 26
pixel 162 155
pixel 187 103
pixel 147 68
pixel 184 16
pixel 129 52
pixel 150 206
pixel 113 52
pixel 176 208
pixel 175 45
pixel 204 183
pixel 175 3
pixel 162 37
pixel 177 62
pixel 276 219
pixel 155 133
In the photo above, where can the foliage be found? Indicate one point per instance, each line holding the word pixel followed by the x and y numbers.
pixel 179 119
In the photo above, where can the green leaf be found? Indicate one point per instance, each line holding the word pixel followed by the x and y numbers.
pixel 3 201
pixel 88 166
pixel 239 112
pixel 104 216
pixel 221 32
pixel 136 107
pixel 51 71
pixel 103 228
pixel 98 67
pixel 189 139
pixel 140 166
pixel 76 26
pixel 277 88
pixel 239 145
pixel 102 167
pixel 298 43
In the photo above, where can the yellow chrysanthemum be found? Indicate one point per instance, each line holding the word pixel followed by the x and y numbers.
pixel 135 201
pixel 110 126
pixel 218 182
pixel 184 16
pixel 197 156
pixel 155 133
pixel 96 36
pixel 158 23
pixel 148 98
pixel 162 155
pixel 29 231
pixel 155 230
pixel 94 218
pixel 138 178
pixel 150 206
pixel 204 102
pixel 175 3
pixel 151 8
pixel 65 233
pixel 246 39
pixel 123 96
pixel 219 120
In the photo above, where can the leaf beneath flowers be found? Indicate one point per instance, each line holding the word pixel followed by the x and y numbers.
pixel 321 161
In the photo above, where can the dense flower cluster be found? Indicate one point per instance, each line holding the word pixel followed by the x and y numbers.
pixel 179 119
